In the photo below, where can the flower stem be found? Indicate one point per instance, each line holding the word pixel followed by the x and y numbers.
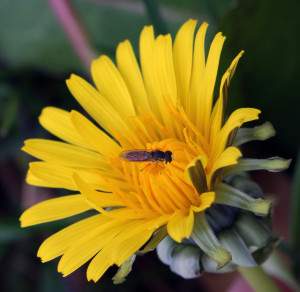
pixel 257 278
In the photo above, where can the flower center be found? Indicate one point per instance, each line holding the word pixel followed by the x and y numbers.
pixel 159 183
pixel 160 187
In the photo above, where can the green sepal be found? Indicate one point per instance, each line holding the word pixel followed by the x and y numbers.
pixel 243 182
pixel 233 242
pixel 253 231
pixel 262 132
pixel 262 254
pixel 204 237
pixel 247 164
pixel 124 270
pixel 154 241
pixel 230 196
pixel 211 266
pixel 165 249
pixel 186 261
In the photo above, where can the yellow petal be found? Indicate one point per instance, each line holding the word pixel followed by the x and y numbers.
pixel 89 245
pixel 130 244
pixel 181 225
pixel 229 157
pixel 98 199
pixel 147 46
pixel 56 176
pixel 112 86
pixel 35 181
pixel 96 105
pixel 164 76
pixel 104 258
pixel 130 71
pixel 160 221
pixel 218 111
pixel 54 209
pixel 210 75
pixel 165 69
pixel 58 123
pixel 197 77
pixel 64 154
pixel 183 55
pixel 124 214
pixel 158 73
pixel 98 266
pixel 173 193
pixel 96 138
pixel 236 119
pixel 205 201
pixel 58 243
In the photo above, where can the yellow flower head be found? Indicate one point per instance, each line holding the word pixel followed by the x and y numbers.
pixel 166 104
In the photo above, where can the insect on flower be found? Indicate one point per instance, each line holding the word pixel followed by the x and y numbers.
pixel 142 155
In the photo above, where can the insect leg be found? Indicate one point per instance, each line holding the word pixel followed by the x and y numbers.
pixel 146 165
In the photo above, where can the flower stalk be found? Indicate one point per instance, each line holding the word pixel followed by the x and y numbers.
pixel 258 279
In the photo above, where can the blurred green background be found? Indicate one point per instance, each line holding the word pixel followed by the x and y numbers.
pixel 36 57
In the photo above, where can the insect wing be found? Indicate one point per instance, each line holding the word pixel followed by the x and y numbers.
pixel 138 155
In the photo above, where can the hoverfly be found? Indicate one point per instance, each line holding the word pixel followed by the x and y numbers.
pixel 142 155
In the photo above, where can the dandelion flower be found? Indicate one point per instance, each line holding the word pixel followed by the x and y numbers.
pixel 166 104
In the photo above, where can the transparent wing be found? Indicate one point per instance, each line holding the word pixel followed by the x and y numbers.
pixel 137 155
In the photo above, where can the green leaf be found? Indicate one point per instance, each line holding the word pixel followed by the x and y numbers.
pixel 230 196
pixel 31 35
